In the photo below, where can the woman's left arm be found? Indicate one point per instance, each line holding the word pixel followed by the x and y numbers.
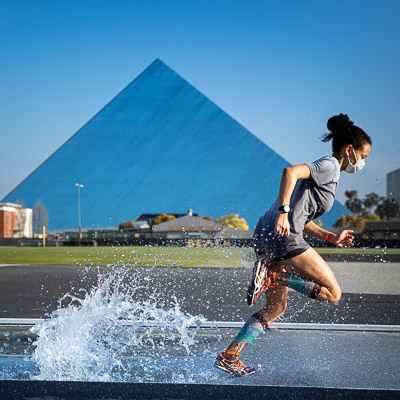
pixel 312 229
pixel 342 239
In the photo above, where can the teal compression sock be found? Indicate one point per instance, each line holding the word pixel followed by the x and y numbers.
pixel 302 285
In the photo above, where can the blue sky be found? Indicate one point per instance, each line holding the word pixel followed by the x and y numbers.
pixel 281 68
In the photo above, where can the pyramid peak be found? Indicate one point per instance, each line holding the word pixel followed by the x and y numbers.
pixel 156 64
pixel 158 61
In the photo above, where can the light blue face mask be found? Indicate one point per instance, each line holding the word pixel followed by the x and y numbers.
pixel 353 168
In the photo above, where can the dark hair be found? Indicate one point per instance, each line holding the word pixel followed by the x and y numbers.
pixel 344 132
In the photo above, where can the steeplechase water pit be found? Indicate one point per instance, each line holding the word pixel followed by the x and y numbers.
pixel 107 338
pixel 295 360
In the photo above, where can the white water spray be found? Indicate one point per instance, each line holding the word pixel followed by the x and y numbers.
pixel 108 335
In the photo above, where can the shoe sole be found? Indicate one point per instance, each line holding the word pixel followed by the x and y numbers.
pixel 222 368
pixel 253 291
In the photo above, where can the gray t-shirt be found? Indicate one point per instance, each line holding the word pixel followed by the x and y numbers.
pixel 310 199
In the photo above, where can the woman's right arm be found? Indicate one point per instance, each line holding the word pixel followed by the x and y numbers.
pixel 289 179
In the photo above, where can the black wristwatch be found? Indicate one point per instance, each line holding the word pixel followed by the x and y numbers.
pixel 284 209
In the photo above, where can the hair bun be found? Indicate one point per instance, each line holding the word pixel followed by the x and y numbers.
pixel 339 123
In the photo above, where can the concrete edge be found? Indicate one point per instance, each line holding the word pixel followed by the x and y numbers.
pixel 29 322
pixel 111 390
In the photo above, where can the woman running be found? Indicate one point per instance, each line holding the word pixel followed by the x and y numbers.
pixel 284 259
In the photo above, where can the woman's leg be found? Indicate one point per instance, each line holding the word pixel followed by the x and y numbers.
pixel 276 303
pixel 309 274
pixel 259 321
pixel 304 273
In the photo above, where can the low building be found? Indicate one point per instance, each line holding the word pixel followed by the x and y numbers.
pixel 7 216
pixel 387 229
pixel 15 221
pixel 198 231
pixel 393 185
pixel 149 218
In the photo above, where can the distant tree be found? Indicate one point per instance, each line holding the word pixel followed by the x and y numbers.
pixel 370 201
pixel 320 223
pixel 350 221
pixel 372 208
pixel 372 217
pixel 126 225
pixel 342 222
pixel 208 219
pixel 353 203
pixel 371 204
pixel 19 221
pixel 20 217
pixel 232 221
pixel 21 203
pixel 388 208
pixel 162 218
pixel 40 217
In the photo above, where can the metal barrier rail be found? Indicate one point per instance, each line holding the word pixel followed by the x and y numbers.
pixel 234 324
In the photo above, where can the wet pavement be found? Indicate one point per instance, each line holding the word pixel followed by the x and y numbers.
pixel 370 292
pixel 292 364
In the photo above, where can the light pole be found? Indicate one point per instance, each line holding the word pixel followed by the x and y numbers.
pixel 79 186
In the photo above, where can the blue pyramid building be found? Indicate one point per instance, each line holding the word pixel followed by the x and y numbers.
pixel 159 146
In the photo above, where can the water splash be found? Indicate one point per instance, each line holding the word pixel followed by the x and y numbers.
pixel 106 334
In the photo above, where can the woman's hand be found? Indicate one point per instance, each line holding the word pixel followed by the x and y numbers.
pixel 282 226
pixel 343 239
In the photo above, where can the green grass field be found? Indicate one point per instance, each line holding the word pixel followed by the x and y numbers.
pixel 142 256
pixel 145 256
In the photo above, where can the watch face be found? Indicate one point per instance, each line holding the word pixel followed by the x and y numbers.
pixel 286 209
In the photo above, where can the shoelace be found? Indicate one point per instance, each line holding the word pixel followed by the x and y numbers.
pixel 239 365
pixel 235 363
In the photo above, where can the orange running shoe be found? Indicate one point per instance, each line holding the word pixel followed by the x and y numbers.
pixel 262 278
pixel 233 367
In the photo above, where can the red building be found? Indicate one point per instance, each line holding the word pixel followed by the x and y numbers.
pixel 7 217
pixel 15 221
